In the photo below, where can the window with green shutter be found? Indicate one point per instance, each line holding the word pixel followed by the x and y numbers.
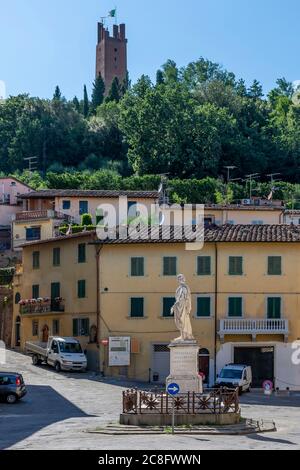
pixel 81 327
pixel 35 291
pixel 203 265
pixel 81 289
pixel 137 307
pixel 137 266
pixel 55 327
pixel 274 265
pixel 55 290
pixel 170 266
pixel 274 307
pixel 56 256
pixel 235 265
pixel 82 253
pixel 168 303
pixel 203 306
pixel 36 260
pixel 235 307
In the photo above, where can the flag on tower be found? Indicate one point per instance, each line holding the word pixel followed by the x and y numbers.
pixel 112 13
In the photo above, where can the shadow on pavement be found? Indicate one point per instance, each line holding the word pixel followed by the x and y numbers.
pixel 257 398
pixel 41 407
pixel 262 438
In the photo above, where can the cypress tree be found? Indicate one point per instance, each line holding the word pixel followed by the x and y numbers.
pixel 115 91
pixel 57 94
pixel 98 93
pixel 86 103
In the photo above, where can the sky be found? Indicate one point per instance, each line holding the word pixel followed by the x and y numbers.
pixel 44 43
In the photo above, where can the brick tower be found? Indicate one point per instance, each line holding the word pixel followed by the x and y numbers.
pixel 111 54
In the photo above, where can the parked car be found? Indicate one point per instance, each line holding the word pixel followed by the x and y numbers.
pixel 60 353
pixel 12 387
pixel 235 376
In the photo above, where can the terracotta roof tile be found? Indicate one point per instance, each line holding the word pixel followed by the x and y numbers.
pixel 51 193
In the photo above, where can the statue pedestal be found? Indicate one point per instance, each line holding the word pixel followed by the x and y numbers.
pixel 184 366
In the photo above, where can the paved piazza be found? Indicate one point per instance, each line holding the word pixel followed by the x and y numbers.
pixel 59 408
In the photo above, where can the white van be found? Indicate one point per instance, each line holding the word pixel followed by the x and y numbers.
pixel 235 376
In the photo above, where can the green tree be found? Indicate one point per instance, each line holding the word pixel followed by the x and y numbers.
pixel 57 94
pixel 114 92
pixel 97 93
pixel 86 102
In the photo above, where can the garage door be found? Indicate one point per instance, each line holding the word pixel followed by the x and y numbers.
pixel 261 361
pixel 161 362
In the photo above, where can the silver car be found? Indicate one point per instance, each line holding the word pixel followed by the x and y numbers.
pixel 12 387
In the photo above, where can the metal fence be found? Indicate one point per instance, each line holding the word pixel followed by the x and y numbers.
pixel 215 401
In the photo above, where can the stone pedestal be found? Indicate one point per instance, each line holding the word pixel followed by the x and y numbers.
pixel 184 366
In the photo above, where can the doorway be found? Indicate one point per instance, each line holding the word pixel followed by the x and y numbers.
pixel 45 334
pixel 261 360
pixel 204 364
pixel 18 331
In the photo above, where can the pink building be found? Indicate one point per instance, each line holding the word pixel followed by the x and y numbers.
pixel 10 189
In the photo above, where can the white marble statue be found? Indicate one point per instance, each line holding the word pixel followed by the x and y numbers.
pixel 182 309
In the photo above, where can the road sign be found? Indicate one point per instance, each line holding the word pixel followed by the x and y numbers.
pixel 202 375
pixel 173 389
pixel 104 342
pixel 268 387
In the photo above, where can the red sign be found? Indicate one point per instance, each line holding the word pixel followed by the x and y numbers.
pixel 268 385
pixel 104 342
pixel 202 375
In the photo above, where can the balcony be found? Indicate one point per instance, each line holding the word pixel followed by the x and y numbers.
pixel 41 306
pixel 45 214
pixel 243 326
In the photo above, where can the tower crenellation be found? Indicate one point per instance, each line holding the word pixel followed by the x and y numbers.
pixel 111 54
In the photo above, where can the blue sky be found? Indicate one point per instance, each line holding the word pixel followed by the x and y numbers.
pixel 48 42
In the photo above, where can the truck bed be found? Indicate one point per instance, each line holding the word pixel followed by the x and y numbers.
pixel 36 347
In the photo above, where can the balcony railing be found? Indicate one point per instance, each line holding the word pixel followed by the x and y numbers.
pixel 45 214
pixel 245 326
pixel 36 307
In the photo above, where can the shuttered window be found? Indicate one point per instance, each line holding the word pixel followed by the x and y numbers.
pixel 81 253
pixel 56 256
pixel 235 307
pixel 137 307
pixel 81 289
pixel 81 326
pixel 170 266
pixel 235 265
pixel 274 265
pixel 203 306
pixel 55 290
pixel 203 265
pixel 274 307
pixel 168 303
pixel 137 266
pixel 36 260
pixel 35 291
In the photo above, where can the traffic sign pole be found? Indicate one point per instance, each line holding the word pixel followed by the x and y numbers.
pixel 173 389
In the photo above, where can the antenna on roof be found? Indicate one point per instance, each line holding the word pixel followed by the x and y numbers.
pixel 32 163
pixel 163 190
pixel 251 178
pixel 272 177
pixel 229 168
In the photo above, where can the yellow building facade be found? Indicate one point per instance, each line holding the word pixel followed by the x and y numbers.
pixel 245 300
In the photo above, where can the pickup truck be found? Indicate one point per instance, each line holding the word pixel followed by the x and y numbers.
pixel 60 353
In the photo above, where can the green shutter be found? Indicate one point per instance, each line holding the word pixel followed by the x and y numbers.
pixel 204 266
pixel 274 307
pixel 84 327
pixel 81 288
pixel 235 307
pixel 56 256
pixel 36 260
pixel 169 266
pixel 203 307
pixel 75 327
pixel 235 265
pixel 82 253
pixel 35 291
pixel 137 266
pixel 168 303
pixel 55 290
pixel 274 265
pixel 137 307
